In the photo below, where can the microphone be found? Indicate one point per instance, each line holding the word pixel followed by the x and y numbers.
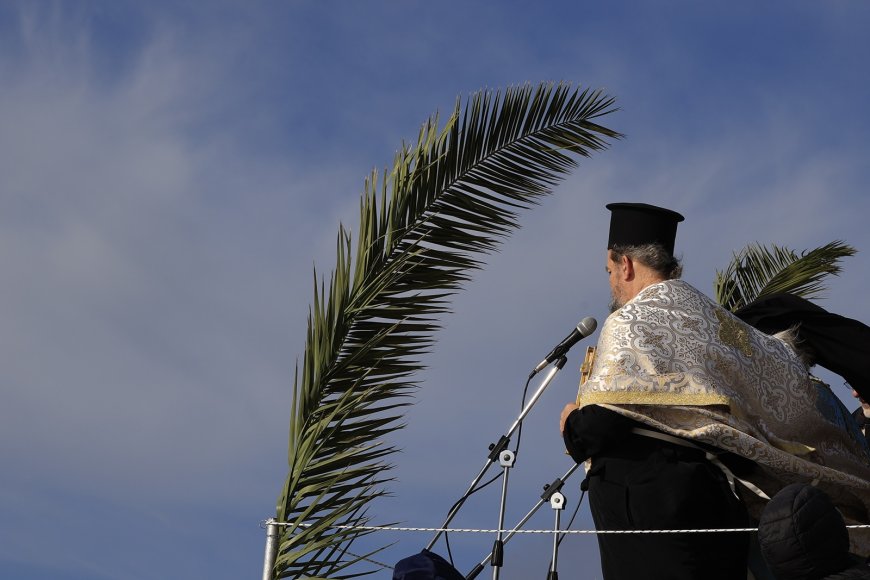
pixel 584 328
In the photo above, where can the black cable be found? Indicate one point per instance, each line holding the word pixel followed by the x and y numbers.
pixel 571 521
pixel 462 499
pixel 457 505
pixel 449 552
pixel 522 406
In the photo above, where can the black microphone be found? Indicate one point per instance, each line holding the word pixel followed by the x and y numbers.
pixel 586 327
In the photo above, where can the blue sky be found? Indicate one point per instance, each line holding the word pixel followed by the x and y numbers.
pixel 170 172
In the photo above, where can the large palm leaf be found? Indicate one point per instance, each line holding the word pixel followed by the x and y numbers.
pixel 758 271
pixel 446 201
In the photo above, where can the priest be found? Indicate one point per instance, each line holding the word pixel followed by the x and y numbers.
pixel 691 418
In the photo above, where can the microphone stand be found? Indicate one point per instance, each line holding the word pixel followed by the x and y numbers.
pixel 495 452
pixel 557 502
pixel 506 460
pixel 550 490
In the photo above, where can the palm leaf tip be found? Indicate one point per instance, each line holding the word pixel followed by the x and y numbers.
pixel 446 202
pixel 758 271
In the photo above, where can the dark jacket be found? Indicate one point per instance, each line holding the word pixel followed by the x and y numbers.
pixel 804 537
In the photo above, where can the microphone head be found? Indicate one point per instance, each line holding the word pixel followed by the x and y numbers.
pixel 587 326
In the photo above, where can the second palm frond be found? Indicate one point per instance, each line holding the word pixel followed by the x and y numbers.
pixel 758 271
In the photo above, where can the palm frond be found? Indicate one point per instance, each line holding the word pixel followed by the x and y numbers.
pixel 447 200
pixel 758 271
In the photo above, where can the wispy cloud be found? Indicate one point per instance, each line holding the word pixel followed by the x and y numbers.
pixel 141 308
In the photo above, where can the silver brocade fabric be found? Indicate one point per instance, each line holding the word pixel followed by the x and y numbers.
pixel 673 359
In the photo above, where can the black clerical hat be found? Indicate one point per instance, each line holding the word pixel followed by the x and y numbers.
pixel 636 224
pixel 840 344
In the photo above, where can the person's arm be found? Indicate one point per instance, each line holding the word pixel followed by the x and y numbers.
pixel 590 430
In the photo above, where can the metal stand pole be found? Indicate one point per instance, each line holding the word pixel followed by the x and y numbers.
pixel 549 490
pixel 496 449
pixel 557 502
pixel 506 460
pixel 273 535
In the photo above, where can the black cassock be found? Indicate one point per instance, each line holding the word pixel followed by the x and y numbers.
pixel 641 483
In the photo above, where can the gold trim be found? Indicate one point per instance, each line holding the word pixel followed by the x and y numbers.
pixel 649 398
pixel 586 369
pixel 793 447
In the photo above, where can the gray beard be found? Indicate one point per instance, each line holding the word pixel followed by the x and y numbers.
pixel 615 304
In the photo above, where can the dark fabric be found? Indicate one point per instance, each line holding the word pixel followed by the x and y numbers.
pixel 425 566
pixel 837 343
pixel 804 537
pixel 858 571
pixel 640 483
pixel 634 224
pixel 861 420
pixel 591 429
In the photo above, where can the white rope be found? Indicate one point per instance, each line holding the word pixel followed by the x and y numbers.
pixel 515 531
pixel 483 531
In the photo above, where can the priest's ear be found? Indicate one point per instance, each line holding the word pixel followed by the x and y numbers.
pixel 625 268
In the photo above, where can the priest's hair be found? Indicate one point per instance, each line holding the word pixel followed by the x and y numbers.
pixel 654 256
pixel 793 340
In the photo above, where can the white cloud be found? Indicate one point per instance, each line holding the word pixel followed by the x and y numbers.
pixel 142 312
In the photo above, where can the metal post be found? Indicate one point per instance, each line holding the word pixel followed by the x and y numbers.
pixel 557 502
pixel 506 460
pixel 272 537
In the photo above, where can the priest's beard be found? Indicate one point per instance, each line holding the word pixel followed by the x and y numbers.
pixel 615 303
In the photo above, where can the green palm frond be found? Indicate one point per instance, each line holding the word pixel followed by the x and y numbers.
pixel 447 200
pixel 758 271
